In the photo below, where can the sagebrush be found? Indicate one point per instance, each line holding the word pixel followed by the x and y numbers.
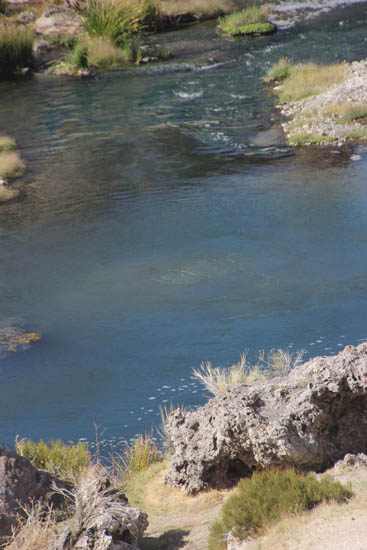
pixel 58 458
pixel 266 497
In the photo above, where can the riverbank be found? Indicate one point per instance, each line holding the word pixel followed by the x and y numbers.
pixel 85 37
pixel 334 116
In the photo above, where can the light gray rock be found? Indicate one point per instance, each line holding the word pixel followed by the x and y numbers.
pixel 6 193
pixel 41 46
pixel 310 419
pixel 26 17
pixel 58 21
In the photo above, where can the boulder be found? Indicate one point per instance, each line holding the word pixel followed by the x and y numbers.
pixel 21 485
pixel 309 419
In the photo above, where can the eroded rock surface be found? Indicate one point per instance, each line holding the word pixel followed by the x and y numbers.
pixel 309 419
pixel 21 484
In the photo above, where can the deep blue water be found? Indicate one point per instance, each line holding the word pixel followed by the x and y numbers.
pixel 157 228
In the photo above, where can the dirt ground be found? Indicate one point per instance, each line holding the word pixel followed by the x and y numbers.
pixel 186 521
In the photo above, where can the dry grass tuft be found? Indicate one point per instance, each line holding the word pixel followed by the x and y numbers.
pixel 347 112
pixel 103 54
pixel 308 79
pixel 217 379
pixel 38 532
pixel 11 165
pixel 136 457
pixel 6 144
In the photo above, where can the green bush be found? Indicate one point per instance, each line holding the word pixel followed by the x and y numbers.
pixel 15 50
pixel 58 458
pixel 2 6
pixel 250 21
pixel 266 497
pixel 118 19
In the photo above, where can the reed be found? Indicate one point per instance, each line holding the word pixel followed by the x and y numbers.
pixel 15 50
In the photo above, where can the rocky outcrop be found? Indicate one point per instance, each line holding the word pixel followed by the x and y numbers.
pixel 309 419
pixel 22 485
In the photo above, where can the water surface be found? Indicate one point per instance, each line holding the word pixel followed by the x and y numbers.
pixel 163 222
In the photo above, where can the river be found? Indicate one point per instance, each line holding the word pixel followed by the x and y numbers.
pixel 163 222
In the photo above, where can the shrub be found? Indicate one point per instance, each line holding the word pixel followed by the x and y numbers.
pixel 251 20
pixel 58 458
pixel 217 379
pixel 11 165
pixel 15 50
pixel 268 496
pixel 6 144
pixel 118 19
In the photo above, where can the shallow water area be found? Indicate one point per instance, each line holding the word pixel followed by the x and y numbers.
pixel 163 222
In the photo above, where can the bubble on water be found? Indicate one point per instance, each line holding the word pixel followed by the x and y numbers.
pixel 151 398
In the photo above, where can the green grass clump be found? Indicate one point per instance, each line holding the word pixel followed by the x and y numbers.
pixel 2 6
pixel 136 457
pixel 308 79
pixel 7 144
pixel 11 165
pixel 15 50
pixel 279 70
pixel 250 21
pixel 118 19
pixel 58 458
pixel 78 57
pixel 268 496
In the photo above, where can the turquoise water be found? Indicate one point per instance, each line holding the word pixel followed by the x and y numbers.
pixel 161 224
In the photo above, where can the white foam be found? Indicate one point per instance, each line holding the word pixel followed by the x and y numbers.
pixel 188 95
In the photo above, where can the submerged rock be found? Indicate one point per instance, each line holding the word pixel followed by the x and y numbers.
pixel 6 192
pixel 309 419
pixel 11 339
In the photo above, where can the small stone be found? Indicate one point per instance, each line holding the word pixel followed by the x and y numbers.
pixel 26 17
